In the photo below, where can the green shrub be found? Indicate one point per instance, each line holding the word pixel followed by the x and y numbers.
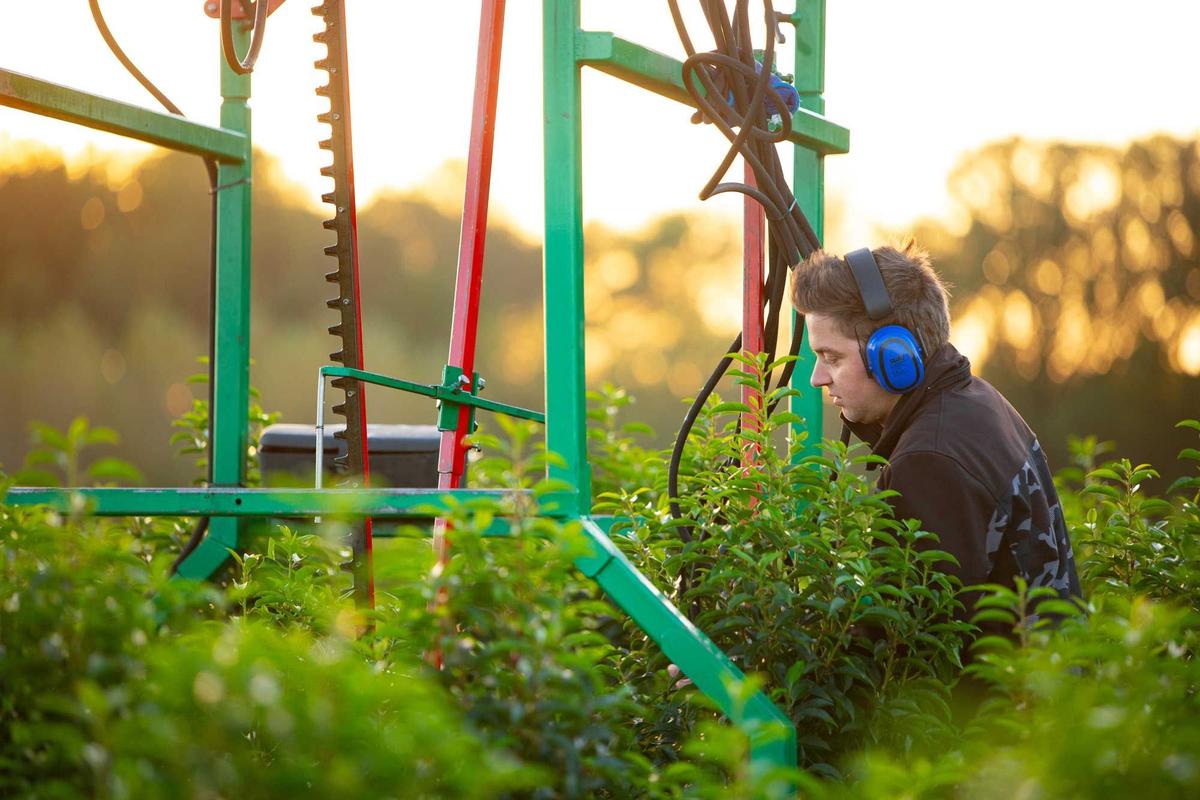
pixel 116 681
pixel 515 627
pixel 80 600
pixel 801 576
pixel 243 710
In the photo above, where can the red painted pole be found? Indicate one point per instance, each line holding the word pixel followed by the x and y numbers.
pixel 753 237
pixel 464 325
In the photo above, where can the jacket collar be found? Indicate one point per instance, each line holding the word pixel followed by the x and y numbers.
pixel 948 369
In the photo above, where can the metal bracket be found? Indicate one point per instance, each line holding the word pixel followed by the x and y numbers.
pixel 454 384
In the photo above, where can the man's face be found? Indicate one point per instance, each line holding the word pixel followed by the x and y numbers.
pixel 840 369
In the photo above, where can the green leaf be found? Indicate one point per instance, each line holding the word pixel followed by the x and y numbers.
pixel 36 477
pixel 1182 484
pixel 114 469
pixel 994 615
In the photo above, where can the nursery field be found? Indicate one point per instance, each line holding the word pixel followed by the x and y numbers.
pixel 117 681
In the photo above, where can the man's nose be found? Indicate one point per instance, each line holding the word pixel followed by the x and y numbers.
pixel 820 377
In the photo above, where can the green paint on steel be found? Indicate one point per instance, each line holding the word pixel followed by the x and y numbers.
pixel 124 119
pixel 663 75
pixel 231 343
pixel 449 391
pixel 566 404
pixel 808 184
pixel 772 735
pixel 235 502
pixel 564 48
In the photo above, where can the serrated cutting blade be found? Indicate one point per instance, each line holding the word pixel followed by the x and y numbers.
pixel 348 330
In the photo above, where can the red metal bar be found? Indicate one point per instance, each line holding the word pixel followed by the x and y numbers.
pixel 452 452
pixel 753 237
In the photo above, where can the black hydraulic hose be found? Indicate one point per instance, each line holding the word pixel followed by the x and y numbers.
pixel 730 90
pixel 243 66
pixel 689 420
pixel 211 167
pixel 102 26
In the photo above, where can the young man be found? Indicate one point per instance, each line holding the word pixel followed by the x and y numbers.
pixel 961 457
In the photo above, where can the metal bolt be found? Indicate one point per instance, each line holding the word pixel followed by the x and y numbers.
pixel 211 7
pixel 346 301
pixel 341 209
pixel 337 116
pixel 349 393
pixel 482 383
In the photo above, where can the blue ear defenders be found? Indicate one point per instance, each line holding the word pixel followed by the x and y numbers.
pixel 893 356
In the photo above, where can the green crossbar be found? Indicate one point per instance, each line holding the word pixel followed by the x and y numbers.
pixel 220 501
pixel 443 393
pixel 663 75
pixel 124 119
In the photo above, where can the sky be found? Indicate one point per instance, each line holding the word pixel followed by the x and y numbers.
pixel 919 84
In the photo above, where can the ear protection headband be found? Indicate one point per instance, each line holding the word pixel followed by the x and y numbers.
pixel 893 356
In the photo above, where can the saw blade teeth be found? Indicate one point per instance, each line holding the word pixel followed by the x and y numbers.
pixel 319 38
pixel 339 356
pixel 323 91
pixel 327 172
pixel 327 198
pixel 325 144
pixel 319 10
pixel 335 276
pixel 323 63
pixel 334 303
pixel 340 435
pixel 329 224
pixel 340 408
pixel 335 330
pixel 340 383
pixel 325 116
pixel 331 250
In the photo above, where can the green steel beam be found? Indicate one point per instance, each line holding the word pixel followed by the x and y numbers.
pixel 445 393
pixel 562 254
pixel 808 185
pixel 235 502
pixel 663 75
pixel 231 344
pixel 564 48
pixel 772 734
pixel 47 99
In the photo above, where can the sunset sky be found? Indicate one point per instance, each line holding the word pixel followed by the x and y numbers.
pixel 917 83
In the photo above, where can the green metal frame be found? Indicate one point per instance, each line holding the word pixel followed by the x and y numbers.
pixel 231 506
pixel 565 49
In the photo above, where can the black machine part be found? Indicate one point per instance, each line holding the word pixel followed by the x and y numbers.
pixel 402 456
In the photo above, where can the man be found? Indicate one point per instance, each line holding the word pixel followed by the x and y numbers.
pixel 961 457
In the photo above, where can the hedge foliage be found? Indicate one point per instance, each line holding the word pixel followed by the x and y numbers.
pixel 507 674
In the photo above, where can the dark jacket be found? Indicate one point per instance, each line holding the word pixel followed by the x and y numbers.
pixel 971 470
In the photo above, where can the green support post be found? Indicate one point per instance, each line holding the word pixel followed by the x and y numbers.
pixel 231 356
pixel 566 381
pixel 565 48
pixel 808 184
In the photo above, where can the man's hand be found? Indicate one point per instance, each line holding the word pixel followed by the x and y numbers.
pixel 674 672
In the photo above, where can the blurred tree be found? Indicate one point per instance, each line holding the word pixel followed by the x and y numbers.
pixel 1077 284
pixel 1075 266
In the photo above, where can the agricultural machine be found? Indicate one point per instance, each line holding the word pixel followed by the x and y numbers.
pixel 734 88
